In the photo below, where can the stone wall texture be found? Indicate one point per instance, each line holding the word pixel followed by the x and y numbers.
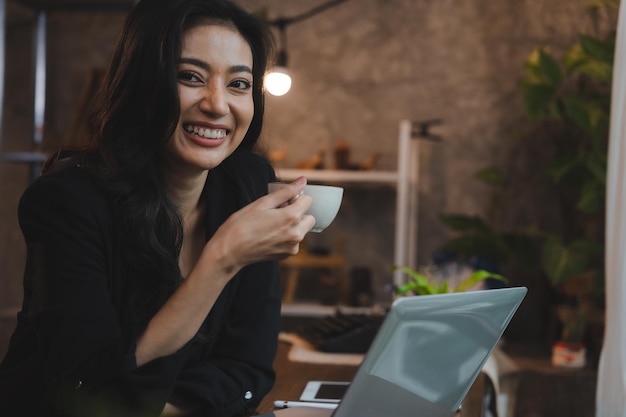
pixel 358 69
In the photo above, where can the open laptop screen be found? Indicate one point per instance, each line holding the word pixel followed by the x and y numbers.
pixel 428 352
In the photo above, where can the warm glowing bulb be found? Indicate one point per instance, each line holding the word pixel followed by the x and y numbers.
pixel 278 82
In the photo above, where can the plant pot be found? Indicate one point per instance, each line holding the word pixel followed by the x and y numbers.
pixel 569 355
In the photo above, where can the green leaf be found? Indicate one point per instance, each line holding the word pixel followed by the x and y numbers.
pixel 600 4
pixel 541 69
pixel 574 58
pixel 598 49
pixel 413 274
pixel 598 70
pixel 477 277
pixel 566 168
pixel 588 115
pixel 562 262
pixel 491 176
pixel 532 69
pixel 600 132
pixel 538 100
pixel 550 70
pixel 592 57
pixel 579 112
pixel 419 284
pixel 597 164
pixel 592 197
pixel 522 250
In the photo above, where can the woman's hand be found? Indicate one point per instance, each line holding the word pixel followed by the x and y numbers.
pixel 266 229
pixel 271 227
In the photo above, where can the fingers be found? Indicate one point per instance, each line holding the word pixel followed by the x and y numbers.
pixel 292 220
pixel 271 227
pixel 296 205
pixel 292 200
pixel 293 236
pixel 287 194
pixel 308 221
pixel 295 213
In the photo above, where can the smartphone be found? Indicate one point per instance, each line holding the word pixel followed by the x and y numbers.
pixel 324 391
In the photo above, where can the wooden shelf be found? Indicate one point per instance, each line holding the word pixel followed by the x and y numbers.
pixel 405 181
pixel 341 176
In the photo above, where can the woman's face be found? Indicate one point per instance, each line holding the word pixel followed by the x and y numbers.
pixel 215 90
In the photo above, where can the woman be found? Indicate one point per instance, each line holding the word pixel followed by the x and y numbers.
pixel 151 285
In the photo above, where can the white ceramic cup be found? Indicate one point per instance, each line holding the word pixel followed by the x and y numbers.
pixel 325 205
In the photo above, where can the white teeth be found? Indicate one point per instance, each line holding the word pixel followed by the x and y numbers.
pixel 214 134
pixel 206 133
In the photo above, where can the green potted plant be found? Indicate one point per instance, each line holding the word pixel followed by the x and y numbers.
pixel 421 284
pixel 570 99
pixel 567 102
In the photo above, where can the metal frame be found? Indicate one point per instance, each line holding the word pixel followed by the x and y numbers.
pixel 405 244
pixel 3 14
pixel 35 158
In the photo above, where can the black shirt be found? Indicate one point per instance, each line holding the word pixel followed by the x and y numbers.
pixel 71 354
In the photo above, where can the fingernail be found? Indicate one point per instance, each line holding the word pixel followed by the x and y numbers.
pixel 300 180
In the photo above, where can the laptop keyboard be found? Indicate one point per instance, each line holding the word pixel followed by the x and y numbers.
pixel 342 333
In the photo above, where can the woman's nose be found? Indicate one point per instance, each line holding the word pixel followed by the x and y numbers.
pixel 214 100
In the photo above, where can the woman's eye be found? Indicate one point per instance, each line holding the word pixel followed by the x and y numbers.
pixel 188 76
pixel 241 84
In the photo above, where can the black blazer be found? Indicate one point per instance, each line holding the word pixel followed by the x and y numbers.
pixel 71 353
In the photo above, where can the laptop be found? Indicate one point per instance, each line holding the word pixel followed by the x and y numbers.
pixel 425 357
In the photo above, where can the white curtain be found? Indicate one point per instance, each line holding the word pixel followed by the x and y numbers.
pixel 611 389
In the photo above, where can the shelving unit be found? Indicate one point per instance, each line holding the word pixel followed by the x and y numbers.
pixel 405 179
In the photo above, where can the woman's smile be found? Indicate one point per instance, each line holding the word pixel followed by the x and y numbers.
pixel 206 132
pixel 205 135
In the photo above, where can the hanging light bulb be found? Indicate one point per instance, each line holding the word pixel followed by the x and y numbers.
pixel 278 81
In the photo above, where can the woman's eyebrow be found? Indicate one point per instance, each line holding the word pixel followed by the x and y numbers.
pixel 205 65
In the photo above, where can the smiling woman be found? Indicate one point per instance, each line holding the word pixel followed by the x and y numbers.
pixel 151 285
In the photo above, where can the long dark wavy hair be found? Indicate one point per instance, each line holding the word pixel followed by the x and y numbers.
pixel 137 110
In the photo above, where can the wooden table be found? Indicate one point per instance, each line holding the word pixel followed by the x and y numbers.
pixel 293 376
